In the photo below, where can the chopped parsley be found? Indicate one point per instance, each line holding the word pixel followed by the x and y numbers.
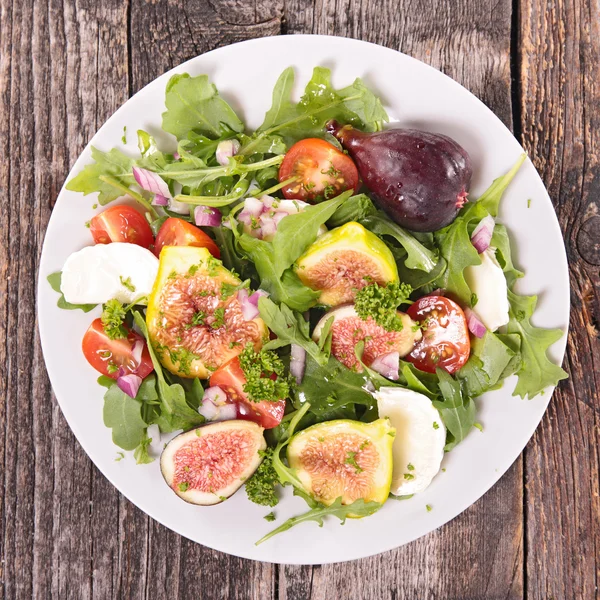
pixel 126 283
pixel 124 136
pixel 474 299
pixel 270 517
pixel 183 486
pixel 329 192
pixel 351 460
pixel 113 315
pixel 193 269
pixel 120 456
pixel 410 467
pixel 381 303
pixel 332 171
pixel 219 316
pixel 436 425
pixel 212 264
pixel 228 289
pixel 265 375
pixel 478 426
pixel 197 319
pixel 111 368
pixel 261 486
pixel 184 357
pixel 529 203
pixel 429 507
pixel 408 476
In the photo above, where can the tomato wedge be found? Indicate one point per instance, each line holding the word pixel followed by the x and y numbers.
pixel 106 355
pixel 445 342
pixel 230 378
pixel 322 171
pixel 177 232
pixel 121 223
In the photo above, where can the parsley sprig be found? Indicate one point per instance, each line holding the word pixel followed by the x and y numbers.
pixel 261 486
pixel 113 315
pixel 265 375
pixel 381 303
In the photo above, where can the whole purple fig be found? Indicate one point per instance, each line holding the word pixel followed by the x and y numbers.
pixel 420 179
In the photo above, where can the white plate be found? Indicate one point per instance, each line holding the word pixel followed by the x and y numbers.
pixel 418 96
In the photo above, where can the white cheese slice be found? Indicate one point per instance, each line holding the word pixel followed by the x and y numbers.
pixel 487 281
pixel 96 274
pixel 420 438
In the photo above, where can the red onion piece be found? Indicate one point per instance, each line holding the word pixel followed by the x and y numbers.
pixel 160 200
pixel 207 215
pixel 254 298
pixel 298 362
pixel 267 201
pixel 214 394
pixel 268 227
pixel 151 182
pixel 387 365
pixel 136 352
pixel 176 155
pixel 227 412
pixel 181 208
pixel 249 310
pixel 129 384
pixel 278 216
pixel 225 150
pixel 482 234
pixel 476 327
pixel 253 207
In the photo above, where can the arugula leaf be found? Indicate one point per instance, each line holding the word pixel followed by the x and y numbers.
pixel 417 257
pixel 298 231
pixel 458 413
pixel 358 508
pixel 536 372
pixel 282 108
pixel 501 242
pixel 114 165
pixel 141 455
pixel 54 281
pixel 123 414
pixel 419 381
pixel 289 327
pixel 152 158
pixel 355 208
pixel 175 411
pixel 193 103
pixel 490 199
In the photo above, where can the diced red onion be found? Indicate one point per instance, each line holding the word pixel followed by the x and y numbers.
pixel 214 394
pixel 207 215
pixel 181 208
pixel 278 216
pixel 160 200
pixel 225 150
pixel 151 182
pixel 136 352
pixel 227 412
pixel 129 384
pixel 254 298
pixel 298 362
pixel 208 410
pixel 253 207
pixel 476 327
pixel 268 227
pixel 176 155
pixel 482 234
pixel 249 310
pixel 267 201
pixel 387 365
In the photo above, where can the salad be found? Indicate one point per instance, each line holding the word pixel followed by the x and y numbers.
pixel 315 304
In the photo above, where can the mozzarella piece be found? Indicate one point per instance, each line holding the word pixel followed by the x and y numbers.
pixel 93 275
pixel 488 282
pixel 418 443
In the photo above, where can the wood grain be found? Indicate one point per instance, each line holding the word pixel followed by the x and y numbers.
pixel 560 82
pixel 65 66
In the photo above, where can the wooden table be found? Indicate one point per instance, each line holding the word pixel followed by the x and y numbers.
pixel 65 67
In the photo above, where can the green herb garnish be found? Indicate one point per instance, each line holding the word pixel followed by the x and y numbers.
pixel 381 303
pixel 265 375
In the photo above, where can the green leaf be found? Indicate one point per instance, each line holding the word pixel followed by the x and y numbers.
pixel 54 281
pixel 490 199
pixel 417 255
pixel 289 327
pixel 141 452
pixel 355 208
pixel 123 414
pixel 113 164
pixel 260 488
pixel 501 242
pixel 296 232
pixel 282 108
pixel 193 103
pixel 537 372
pixel 175 411
pixel 358 508
pixel 152 158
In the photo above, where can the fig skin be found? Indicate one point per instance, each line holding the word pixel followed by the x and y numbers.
pixel 420 179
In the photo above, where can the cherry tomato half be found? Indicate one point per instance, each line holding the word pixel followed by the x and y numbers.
pixel 445 342
pixel 230 378
pixel 121 223
pixel 177 232
pixel 323 171
pixel 105 354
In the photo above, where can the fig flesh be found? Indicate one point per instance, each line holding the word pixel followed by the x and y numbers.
pixel 343 261
pixel 344 458
pixel 195 319
pixel 420 179
pixel 348 329
pixel 208 465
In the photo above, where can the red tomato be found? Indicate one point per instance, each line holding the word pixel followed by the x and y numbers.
pixel 121 224
pixel 177 232
pixel 323 171
pixel 100 352
pixel 230 378
pixel 445 342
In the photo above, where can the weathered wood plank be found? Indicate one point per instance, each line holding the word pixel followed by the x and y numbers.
pixel 479 554
pixel 560 83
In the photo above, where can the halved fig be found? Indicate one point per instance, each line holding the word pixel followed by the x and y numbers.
pixel 208 465
pixel 195 319
pixel 344 458
pixel 348 329
pixel 343 261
